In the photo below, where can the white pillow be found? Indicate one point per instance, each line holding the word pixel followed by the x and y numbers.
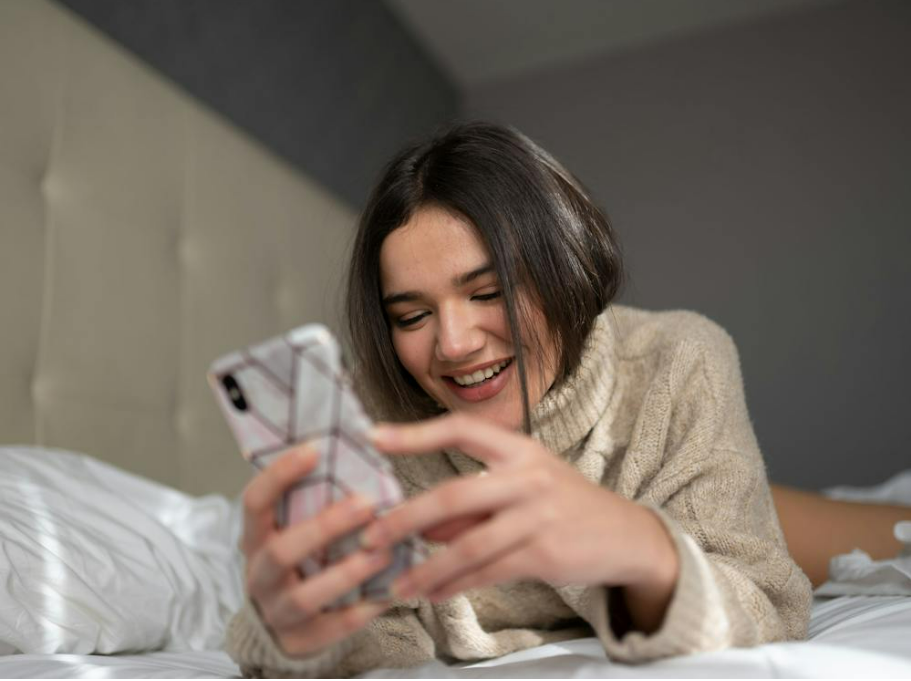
pixel 96 560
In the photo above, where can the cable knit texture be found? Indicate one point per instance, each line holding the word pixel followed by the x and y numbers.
pixel 655 412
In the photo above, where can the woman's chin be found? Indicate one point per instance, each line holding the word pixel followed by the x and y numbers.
pixel 503 406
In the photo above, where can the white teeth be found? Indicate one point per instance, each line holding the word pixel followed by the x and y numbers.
pixel 480 375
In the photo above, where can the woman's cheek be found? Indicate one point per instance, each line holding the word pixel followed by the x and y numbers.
pixel 409 348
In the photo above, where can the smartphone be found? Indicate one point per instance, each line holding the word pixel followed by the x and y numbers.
pixel 291 390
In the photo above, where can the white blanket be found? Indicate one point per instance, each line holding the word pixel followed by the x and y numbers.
pixel 859 637
pixel 96 560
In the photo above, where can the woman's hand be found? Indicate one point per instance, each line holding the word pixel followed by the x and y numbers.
pixel 532 517
pixel 289 605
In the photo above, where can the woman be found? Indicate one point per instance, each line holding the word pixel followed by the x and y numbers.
pixel 591 467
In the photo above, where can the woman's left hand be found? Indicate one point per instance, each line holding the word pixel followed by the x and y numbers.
pixel 532 517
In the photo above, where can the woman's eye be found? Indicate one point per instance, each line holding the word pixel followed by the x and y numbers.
pixel 403 322
pixel 410 320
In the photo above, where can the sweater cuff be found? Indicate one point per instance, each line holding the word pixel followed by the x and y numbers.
pixel 252 647
pixel 695 620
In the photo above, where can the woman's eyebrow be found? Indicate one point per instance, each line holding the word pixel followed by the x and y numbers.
pixel 458 281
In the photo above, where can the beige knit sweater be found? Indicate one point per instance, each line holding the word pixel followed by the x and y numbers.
pixel 656 412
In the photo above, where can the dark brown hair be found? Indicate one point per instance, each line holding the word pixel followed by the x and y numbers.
pixel 545 237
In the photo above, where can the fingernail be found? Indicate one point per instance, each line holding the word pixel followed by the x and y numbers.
pixel 305 453
pixel 359 502
pixel 367 539
pixel 379 434
pixel 378 558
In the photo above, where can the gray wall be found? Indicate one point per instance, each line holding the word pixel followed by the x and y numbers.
pixel 761 174
pixel 333 86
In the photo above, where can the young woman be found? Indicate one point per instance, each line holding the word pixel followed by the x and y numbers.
pixel 578 466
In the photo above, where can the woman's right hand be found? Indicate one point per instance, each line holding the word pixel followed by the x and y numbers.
pixel 291 606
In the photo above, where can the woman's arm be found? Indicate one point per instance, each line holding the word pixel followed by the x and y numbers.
pixel 817 528
pixel 699 466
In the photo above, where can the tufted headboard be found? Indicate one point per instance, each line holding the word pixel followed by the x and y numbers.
pixel 141 236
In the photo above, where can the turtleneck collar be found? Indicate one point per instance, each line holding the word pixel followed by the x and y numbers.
pixel 568 412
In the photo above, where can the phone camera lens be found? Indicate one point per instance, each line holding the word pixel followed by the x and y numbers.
pixel 235 394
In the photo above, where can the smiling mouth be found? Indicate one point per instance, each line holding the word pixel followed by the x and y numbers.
pixel 481 376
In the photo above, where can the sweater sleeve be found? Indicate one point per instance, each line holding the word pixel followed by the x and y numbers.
pixel 395 639
pixel 700 470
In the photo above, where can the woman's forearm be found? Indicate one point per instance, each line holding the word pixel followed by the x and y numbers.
pixel 647 599
pixel 817 528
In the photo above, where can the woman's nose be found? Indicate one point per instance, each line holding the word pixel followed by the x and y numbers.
pixel 458 337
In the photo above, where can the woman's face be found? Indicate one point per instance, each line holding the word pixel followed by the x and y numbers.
pixel 448 320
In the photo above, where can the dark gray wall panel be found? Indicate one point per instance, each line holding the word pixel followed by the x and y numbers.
pixel 334 86
pixel 762 175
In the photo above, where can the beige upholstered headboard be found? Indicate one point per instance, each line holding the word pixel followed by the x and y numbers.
pixel 141 236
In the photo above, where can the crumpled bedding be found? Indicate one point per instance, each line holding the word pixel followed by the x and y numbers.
pixel 96 560
pixel 856 573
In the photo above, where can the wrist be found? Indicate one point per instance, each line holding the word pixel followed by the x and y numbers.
pixel 658 564
pixel 648 591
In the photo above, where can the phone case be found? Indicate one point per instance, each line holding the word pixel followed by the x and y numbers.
pixel 291 390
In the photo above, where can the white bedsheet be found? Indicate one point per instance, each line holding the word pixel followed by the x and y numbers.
pixel 206 664
pixel 851 637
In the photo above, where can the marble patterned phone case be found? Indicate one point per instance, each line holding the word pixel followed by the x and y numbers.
pixel 291 390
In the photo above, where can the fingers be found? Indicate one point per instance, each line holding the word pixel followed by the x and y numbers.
pixel 329 628
pixel 309 597
pixel 450 529
pixel 284 551
pixel 491 542
pixel 511 567
pixel 274 555
pixel 452 499
pixel 265 490
pixel 478 438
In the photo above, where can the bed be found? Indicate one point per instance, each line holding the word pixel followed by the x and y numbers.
pixel 142 236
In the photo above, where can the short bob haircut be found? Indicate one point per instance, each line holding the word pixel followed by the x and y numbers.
pixel 548 243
